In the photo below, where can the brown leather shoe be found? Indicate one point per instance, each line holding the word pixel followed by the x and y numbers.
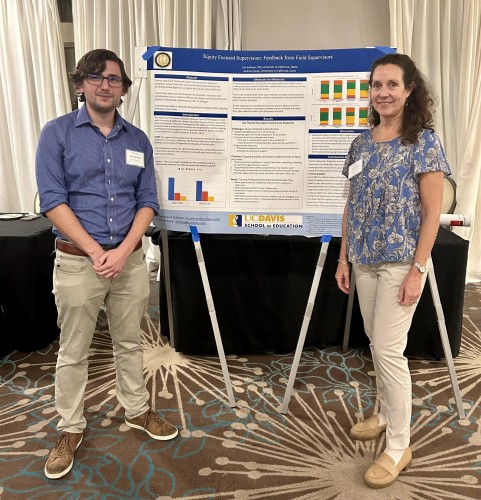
pixel 383 472
pixel 60 460
pixel 153 425
pixel 367 429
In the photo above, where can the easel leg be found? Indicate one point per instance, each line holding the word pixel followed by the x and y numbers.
pixel 350 301
pixel 305 323
pixel 213 316
pixel 444 338
pixel 168 289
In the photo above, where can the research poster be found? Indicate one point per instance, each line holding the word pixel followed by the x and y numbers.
pixel 255 141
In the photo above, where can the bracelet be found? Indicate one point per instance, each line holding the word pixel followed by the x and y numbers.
pixel 343 262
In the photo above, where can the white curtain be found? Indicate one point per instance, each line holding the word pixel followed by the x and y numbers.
pixel 443 37
pixel 33 79
pixel 469 134
pixel 33 90
pixel 123 25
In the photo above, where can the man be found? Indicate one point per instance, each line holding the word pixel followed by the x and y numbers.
pixel 96 181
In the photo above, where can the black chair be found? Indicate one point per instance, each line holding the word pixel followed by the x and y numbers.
pixel 449 196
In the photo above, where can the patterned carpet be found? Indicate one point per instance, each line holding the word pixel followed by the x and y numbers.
pixel 251 451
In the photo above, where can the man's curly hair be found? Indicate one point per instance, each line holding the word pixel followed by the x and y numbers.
pixel 94 62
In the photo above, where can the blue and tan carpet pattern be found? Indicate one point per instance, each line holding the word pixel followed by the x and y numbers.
pixel 251 451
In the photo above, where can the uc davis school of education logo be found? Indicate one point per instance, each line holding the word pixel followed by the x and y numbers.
pixel 266 220
pixel 235 220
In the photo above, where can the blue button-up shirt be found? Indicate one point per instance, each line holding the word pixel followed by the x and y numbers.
pixel 104 180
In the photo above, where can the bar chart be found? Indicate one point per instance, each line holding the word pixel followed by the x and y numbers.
pixel 194 192
pixel 201 194
pixel 172 194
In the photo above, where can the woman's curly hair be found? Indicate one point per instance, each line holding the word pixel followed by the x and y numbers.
pixel 419 109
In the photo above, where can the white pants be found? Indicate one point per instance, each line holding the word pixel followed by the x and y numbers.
pixel 387 323
pixel 79 295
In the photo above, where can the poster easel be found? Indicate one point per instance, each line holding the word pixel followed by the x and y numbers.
pixel 337 64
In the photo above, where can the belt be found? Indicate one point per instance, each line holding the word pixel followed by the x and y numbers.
pixel 70 248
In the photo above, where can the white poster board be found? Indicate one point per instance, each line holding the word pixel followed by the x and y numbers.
pixel 254 142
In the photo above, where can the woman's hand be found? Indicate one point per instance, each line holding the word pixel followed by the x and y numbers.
pixel 343 275
pixel 410 289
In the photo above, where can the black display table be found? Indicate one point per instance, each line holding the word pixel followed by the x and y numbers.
pixel 28 314
pixel 260 286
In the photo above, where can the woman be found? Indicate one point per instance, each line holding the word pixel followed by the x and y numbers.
pixel 396 171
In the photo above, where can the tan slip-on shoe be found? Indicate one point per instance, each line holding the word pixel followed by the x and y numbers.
pixel 367 429
pixel 60 460
pixel 153 425
pixel 383 472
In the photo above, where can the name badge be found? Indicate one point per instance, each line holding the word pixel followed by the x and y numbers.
pixel 135 158
pixel 355 169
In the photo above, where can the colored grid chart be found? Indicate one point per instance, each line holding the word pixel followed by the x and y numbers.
pixel 337 89
pixel 324 116
pixel 350 116
pixel 325 89
pixel 364 89
pixel 363 116
pixel 343 116
pixel 344 89
pixel 337 116
pixel 351 89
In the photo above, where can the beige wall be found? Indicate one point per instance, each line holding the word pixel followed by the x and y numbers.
pixel 314 24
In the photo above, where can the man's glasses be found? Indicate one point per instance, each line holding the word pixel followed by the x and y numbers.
pixel 97 80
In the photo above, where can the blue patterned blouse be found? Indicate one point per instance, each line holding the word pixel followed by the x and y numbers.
pixel 384 210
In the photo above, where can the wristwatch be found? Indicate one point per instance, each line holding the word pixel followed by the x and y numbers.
pixel 421 268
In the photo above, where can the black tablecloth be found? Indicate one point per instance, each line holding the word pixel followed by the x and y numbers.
pixel 29 315
pixel 260 286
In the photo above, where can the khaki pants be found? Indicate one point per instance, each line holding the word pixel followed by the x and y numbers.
pixel 387 323
pixel 79 295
